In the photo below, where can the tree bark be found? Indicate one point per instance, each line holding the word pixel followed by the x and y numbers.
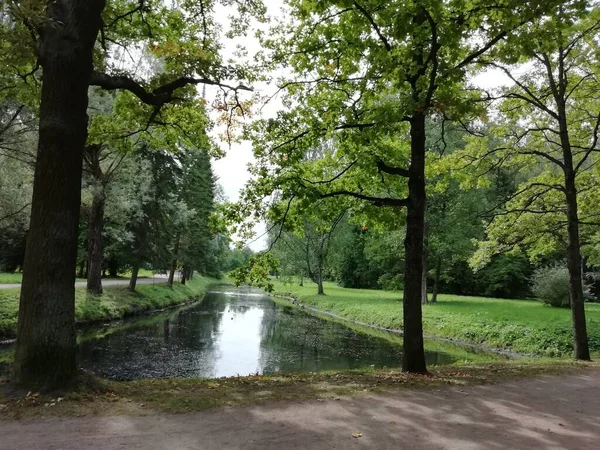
pixel 320 290
pixel 134 276
pixel 96 241
pixel 46 345
pixel 424 298
pixel 184 274
pixel 174 262
pixel 113 268
pixel 436 281
pixel 414 353
pixel 574 267
pixel 580 338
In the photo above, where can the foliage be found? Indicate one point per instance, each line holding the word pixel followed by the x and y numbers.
pixel 551 285
pixel 256 271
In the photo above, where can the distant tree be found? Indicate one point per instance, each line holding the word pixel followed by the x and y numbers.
pixel 305 250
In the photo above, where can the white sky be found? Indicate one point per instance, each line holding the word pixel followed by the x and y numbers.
pixel 232 169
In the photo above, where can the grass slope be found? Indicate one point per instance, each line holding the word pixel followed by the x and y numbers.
pixel 116 302
pixel 520 325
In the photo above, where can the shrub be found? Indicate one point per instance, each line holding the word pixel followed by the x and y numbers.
pixel 389 282
pixel 551 285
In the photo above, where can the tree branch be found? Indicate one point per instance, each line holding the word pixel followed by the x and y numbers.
pixel 383 167
pixel 158 96
pixel 368 16
pixel 376 201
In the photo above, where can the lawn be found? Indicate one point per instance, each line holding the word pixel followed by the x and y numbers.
pixel 523 326
pixel 116 301
pixel 10 278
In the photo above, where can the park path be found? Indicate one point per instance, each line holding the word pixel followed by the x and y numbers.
pixel 156 279
pixel 559 412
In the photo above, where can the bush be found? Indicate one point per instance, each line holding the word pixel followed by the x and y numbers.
pixel 389 282
pixel 551 285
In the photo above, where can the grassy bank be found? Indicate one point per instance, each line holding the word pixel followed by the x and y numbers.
pixel 519 325
pixel 116 302
pixel 100 397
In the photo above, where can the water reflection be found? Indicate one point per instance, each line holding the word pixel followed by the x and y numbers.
pixel 238 334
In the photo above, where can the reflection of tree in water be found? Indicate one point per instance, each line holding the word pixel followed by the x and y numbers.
pixel 180 345
pixel 292 340
pixel 189 342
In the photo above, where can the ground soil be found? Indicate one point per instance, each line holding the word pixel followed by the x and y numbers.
pixel 549 412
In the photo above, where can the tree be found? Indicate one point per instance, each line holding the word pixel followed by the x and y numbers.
pixel 551 125
pixel 305 250
pixel 193 236
pixel 118 127
pixel 365 77
pixel 62 37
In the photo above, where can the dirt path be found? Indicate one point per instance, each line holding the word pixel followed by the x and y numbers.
pixel 542 413
pixel 156 279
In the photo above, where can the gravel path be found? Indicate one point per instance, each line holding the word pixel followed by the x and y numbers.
pixel 541 413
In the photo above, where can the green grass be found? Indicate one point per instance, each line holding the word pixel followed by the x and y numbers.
pixel 519 325
pixel 10 278
pixel 143 273
pixel 116 302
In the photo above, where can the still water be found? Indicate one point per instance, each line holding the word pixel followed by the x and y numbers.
pixel 236 332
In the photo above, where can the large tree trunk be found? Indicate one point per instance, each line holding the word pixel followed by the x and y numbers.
pixel 96 241
pixel 46 346
pixel 436 280
pixel 414 353
pixel 134 276
pixel 580 338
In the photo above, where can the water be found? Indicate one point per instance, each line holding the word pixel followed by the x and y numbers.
pixel 240 332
